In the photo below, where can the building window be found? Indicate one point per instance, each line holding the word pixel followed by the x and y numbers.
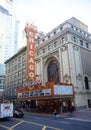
pixel 19 65
pixel 86 82
pixel 23 64
pixel 74 39
pixel 54 32
pixel 23 80
pixel 15 83
pixel 12 68
pixel 43 50
pixel 63 40
pixel 43 40
pixel 49 47
pixel 15 67
pixel 15 61
pixel 72 27
pixel 61 28
pixel 81 42
pixel 76 29
pixel 87 35
pixel 16 75
pixel 12 76
pixel 23 72
pixel 80 31
pixel 19 74
pixel 23 56
pixel 55 44
pixel 48 36
pixel 38 42
pixel 84 34
pixel 38 53
pixel 19 81
pixel 19 58
pixel 87 45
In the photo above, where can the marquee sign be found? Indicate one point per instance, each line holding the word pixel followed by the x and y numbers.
pixel 43 91
pixel 36 93
pixel 63 90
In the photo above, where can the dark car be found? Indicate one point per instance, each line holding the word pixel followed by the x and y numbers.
pixel 18 113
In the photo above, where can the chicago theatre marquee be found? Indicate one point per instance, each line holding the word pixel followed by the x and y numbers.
pixel 58 70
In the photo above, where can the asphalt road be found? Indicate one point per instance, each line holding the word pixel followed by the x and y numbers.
pixel 35 121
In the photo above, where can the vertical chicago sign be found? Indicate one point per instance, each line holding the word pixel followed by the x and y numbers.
pixel 31 32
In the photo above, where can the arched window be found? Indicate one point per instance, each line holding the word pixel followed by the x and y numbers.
pixel 53 71
pixel 86 82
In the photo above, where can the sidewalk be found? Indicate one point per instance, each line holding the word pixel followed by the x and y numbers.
pixel 81 115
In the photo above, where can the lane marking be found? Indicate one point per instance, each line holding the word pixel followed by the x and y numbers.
pixel 16 125
pixel 79 119
pixel 44 128
pixel 42 125
pixel 5 127
pixel 37 124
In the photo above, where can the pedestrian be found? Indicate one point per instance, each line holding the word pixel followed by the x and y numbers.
pixel 71 109
pixel 55 113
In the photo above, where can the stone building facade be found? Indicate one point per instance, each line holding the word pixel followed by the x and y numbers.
pixel 62 55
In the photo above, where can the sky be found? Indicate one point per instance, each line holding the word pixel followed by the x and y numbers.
pixel 47 14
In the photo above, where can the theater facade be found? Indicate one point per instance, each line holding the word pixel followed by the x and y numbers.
pixel 57 66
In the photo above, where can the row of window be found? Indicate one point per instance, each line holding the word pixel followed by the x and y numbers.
pixel 61 28
pixel 17 75
pixel 16 83
pixel 16 67
pixel 82 43
pixel 54 45
pixel 20 59
pixel 52 34
pixel 63 40
pixel 81 32
pixel 10 92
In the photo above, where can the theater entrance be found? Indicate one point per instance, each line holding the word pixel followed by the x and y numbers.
pixel 48 105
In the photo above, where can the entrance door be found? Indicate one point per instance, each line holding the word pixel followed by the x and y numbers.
pixel 33 104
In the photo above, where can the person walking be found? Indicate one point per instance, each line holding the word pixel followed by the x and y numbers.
pixel 55 113
pixel 71 109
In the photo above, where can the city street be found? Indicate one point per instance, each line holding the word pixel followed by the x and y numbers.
pixel 35 121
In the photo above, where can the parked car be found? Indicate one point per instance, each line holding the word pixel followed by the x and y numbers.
pixel 18 113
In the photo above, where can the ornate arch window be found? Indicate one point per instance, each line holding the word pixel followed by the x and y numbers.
pixel 53 71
